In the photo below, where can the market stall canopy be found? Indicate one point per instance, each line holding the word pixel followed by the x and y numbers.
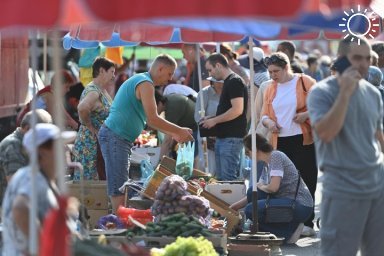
pixel 307 26
pixel 64 13
pixel 116 10
pixel 86 36
pixel 134 33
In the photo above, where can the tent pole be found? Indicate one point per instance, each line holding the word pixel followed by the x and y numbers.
pixel 254 238
pixel 33 235
pixel 58 111
pixel 45 58
pixel 202 111
pixel 255 226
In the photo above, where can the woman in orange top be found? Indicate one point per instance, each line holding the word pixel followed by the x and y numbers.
pixel 285 115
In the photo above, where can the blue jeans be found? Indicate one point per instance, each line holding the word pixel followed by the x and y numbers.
pixel 300 215
pixel 227 153
pixel 117 157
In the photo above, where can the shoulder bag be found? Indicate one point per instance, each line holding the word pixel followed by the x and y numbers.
pixel 280 213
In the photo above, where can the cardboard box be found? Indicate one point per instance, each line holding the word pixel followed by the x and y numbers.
pixel 152 152
pixel 95 215
pixel 229 193
pixel 95 194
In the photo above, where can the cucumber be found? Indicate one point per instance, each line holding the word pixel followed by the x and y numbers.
pixel 192 232
pixel 206 233
pixel 173 217
pixel 194 225
pixel 175 224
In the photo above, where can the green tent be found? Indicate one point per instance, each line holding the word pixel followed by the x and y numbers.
pixel 149 53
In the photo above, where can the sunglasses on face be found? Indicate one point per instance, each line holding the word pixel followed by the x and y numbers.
pixel 274 59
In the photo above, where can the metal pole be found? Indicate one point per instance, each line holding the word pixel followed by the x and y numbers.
pixel 255 226
pixel 45 58
pixel 58 112
pixel 33 234
pixel 202 111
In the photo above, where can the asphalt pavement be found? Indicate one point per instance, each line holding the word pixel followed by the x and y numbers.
pixel 306 246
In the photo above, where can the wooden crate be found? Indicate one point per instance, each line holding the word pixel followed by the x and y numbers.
pixel 232 216
pixel 170 165
pixel 158 176
pixel 219 242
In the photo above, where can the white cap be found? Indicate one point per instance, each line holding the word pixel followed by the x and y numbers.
pixel 258 53
pixel 45 132
pixel 214 80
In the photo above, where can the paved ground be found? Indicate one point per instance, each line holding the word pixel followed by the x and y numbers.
pixel 307 246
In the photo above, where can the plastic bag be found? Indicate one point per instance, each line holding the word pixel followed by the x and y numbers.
pixel 185 158
pixel 146 169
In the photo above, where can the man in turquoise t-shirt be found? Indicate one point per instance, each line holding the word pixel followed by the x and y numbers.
pixel 133 107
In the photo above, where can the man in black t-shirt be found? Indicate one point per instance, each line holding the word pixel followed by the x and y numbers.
pixel 230 119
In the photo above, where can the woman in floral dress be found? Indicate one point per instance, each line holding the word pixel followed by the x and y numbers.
pixel 93 110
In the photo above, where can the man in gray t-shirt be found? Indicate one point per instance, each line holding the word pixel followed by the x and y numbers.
pixel 346 114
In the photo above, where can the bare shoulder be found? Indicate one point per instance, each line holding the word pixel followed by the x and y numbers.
pixel 144 90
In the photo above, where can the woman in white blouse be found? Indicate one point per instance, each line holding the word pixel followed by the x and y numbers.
pixel 285 115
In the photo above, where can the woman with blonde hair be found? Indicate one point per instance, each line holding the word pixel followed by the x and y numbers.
pixel 285 115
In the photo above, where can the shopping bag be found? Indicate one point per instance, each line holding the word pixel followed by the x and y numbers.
pixel 185 158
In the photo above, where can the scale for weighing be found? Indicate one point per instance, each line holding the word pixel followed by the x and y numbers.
pixel 258 238
pixel 254 242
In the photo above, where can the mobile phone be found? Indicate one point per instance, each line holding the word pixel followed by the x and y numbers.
pixel 341 64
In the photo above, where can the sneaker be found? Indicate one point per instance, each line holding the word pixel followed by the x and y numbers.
pixel 296 235
pixel 308 231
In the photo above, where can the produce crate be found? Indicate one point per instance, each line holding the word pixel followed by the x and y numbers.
pixel 170 165
pixel 232 216
pixel 219 242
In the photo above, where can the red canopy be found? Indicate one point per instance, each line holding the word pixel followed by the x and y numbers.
pixel 141 32
pixel 63 13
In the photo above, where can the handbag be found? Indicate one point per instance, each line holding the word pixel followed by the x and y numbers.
pixel 280 213
pixel 100 164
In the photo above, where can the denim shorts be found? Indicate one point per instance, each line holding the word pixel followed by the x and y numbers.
pixel 117 157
